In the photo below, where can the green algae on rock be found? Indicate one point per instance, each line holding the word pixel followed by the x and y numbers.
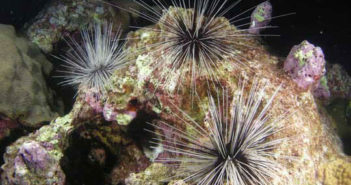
pixel 152 175
pixel 35 159
pixel 63 17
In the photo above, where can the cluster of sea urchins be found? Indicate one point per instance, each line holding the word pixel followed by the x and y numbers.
pixel 234 147
pixel 193 36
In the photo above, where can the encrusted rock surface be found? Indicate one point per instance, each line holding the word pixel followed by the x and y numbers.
pixel 305 64
pixel 337 171
pixel 153 175
pixel 312 141
pixel 260 17
pixel 24 94
pixel 35 159
pixel 64 17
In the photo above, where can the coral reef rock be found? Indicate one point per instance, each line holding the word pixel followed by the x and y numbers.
pixel 336 172
pixel 305 64
pixel 131 160
pixel 260 17
pixel 312 142
pixel 24 95
pixel 312 152
pixel 62 18
pixel 153 175
pixel 35 159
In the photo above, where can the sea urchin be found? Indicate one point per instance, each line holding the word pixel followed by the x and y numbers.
pixel 234 146
pixel 92 63
pixel 193 36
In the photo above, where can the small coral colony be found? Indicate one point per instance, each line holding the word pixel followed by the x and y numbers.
pixel 234 143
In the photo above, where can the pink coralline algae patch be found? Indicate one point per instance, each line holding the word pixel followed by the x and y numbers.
pixel 305 64
pixel 33 156
pixel 131 113
pixel 260 17
pixel 121 116
pixel 34 160
pixel 93 99
pixel 109 112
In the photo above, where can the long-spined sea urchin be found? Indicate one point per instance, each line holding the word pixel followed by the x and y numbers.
pixel 234 146
pixel 92 63
pixel 193 36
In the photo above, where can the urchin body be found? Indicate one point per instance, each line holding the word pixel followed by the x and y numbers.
pixel 91 63
pixel 233 146
pixel 194 39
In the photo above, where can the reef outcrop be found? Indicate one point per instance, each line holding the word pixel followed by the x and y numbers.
pixel 119 120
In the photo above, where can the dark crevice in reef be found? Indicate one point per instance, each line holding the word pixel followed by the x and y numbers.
pixel 14 135
pixel 79 164
pixel 64 92
pixel 347 144
pixel 86 161
pixel 338 110
pixel 140 127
